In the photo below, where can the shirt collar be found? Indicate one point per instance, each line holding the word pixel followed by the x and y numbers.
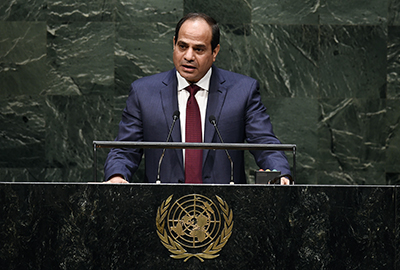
pixel 203 83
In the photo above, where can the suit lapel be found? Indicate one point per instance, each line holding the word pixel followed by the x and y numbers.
pixel 216 99
pixel 169 101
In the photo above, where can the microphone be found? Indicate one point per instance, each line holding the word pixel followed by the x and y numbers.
pixel 175 117
pixel 213 121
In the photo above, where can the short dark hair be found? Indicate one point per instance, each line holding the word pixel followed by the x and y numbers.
pixel 211 22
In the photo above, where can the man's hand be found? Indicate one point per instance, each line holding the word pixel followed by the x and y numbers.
pixel 285 181
pixel 117 179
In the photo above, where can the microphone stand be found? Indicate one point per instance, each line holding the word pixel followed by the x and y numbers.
pixel 214 123
pixel 175 117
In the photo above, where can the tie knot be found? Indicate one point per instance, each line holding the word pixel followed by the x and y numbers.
pixel 193 89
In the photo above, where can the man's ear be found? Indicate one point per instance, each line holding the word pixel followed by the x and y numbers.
pixel 215 52
pixel 173 42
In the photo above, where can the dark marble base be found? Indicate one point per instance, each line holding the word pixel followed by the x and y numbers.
pixel 101 226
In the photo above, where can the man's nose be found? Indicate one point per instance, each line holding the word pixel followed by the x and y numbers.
pixel 189 55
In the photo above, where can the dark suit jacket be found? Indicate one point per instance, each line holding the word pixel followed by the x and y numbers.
pixel 233 99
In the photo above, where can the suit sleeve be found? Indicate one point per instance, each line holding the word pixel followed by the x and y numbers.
pixel 126 161
pixel 258 129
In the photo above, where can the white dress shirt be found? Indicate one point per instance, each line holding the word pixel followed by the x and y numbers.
pixel 201 97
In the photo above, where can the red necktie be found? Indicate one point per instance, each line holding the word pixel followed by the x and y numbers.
pixel 193 157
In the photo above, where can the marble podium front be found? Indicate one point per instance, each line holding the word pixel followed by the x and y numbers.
pixel 105 226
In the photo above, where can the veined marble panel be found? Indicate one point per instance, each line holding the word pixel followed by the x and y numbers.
pixel 284 59
pixel 23 174
pixel 285 12
pixel 295 121
pixel 354 12
pixel 80 10
pixel 394 12
pixel 81 58
pixel 393 62
pixel 138 11
pixel 46 174
pixel 337 12
pixel 234 48
pixel 27 10
pixel 352 137
pixel 352 61
pixel 22 132
pixel 224 12
pixel 392 178
pixel 393 136
pixel 22 58
pixel 141 49
pixel 73 123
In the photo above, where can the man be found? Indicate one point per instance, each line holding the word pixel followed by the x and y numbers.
pixel 198 90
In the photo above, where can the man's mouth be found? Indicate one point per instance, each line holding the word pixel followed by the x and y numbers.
pixel 187 67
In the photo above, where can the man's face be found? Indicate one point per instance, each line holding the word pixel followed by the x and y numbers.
pixel 193 56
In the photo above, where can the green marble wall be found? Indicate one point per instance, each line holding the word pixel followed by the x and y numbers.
pixel 328 70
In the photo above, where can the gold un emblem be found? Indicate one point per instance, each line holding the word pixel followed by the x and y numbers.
pixel 193 226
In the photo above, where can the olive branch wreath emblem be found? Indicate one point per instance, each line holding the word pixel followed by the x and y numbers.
pixel 179 252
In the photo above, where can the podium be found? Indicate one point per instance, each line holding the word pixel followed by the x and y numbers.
pixel 117 226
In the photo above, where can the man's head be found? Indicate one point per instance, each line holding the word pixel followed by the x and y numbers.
pixel 196 45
